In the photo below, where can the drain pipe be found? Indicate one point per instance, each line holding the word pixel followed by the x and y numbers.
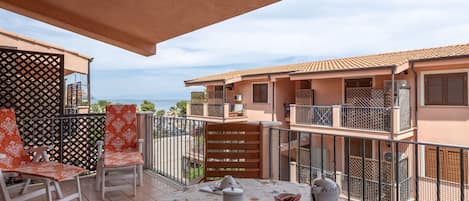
pixel 392 99
pixel 273 97
pixel 416 104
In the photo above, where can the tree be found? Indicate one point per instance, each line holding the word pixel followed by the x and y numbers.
pixel 160 112
pixel 179 109
pixel 147 106
pixel 100 107
pixel 182 107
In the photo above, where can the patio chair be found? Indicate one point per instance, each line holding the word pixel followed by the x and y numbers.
pixel 16 161
pixel 122 151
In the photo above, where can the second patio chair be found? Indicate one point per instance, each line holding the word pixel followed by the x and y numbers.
pixel 15 161
pixel 122 151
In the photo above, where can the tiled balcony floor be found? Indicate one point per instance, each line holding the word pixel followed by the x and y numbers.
pixel 153 188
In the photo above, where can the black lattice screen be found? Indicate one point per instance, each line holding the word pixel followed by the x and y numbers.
pixel 31 83
pixel 73 138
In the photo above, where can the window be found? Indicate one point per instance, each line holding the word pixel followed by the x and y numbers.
pixel 260 93
pixel 446 89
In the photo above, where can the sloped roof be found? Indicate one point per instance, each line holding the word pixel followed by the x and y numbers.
pixel 73 61
pixel 348 63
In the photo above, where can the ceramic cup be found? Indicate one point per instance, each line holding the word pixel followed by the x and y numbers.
pixel 232 194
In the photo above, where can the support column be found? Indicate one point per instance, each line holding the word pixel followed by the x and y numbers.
pixel 145 131
pixel 226 110
pixel 396 127
pixel 336 116
pixel 292 114
pixel 205 113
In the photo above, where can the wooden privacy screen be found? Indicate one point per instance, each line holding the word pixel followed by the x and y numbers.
pixel 233 149
pixel 449 164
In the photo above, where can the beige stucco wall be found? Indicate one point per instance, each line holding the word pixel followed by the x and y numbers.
pixel 327 91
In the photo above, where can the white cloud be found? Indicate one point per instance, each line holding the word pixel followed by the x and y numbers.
pixel 288 31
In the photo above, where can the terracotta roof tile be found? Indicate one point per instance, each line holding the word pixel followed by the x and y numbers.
pixel 349 63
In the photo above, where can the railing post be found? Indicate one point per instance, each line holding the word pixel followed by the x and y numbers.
pixel 292 114
pixel 396 124
pixel 226 110
pixel 336 116
pixel 205 113
pixel 293 174
pixel 145 132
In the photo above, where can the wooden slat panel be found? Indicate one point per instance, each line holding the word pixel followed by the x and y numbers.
pixel 254 164
pixel 249 137
pixel 232 127
pixel 239 174
pixel 232 155
pixel 243 146
pixel 248 153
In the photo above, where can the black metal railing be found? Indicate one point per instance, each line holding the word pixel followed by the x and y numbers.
pixel 178 148
pixel 369 168
pixel 72 137
pixel 315 115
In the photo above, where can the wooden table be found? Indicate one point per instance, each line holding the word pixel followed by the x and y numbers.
pixel 254 190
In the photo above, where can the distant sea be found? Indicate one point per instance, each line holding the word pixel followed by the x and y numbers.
pixel 159 104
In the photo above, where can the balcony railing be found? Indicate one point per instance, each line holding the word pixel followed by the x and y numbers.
pixel 369 118
pixel 381 119
pixel 216 110
pixel 174 148
pixel 197 109
pixel 178 149
pixel 315 115
pixel 387 170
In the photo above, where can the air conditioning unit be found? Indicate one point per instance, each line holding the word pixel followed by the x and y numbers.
pixel 388 156
pixel 397 84
pixel 238 98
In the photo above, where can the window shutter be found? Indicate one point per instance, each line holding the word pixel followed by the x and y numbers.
pixel 260 93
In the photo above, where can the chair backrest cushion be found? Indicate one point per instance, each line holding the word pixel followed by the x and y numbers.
pixel 121 128
pixel 11 144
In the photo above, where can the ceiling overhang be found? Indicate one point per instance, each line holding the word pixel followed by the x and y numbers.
pixel 136 26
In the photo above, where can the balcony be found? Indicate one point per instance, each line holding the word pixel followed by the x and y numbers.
pixel 216 112
pixel 351 119
pixel 175 157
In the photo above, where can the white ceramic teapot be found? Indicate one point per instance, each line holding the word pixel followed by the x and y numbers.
pixel 227 182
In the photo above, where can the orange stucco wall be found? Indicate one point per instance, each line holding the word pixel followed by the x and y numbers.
pixel 284 94
pixel 254 111
pixel 327 91
pixel 442 124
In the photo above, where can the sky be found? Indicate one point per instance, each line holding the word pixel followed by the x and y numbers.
pixel 290 31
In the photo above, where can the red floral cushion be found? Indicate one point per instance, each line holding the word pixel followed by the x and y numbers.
pixel 52 170
pixel 11 145
pixel 121 128
pixel 122 159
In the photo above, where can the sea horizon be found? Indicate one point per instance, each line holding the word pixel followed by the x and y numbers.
pixel 164 104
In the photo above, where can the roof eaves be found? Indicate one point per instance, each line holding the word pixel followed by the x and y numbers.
pixel 341 70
